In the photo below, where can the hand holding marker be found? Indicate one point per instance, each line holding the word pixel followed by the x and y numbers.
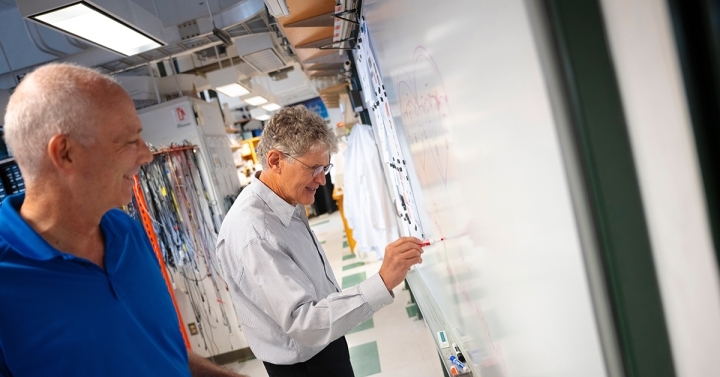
pixel 436 240
pixel 441 239
pixel 433 241
pixel 428 243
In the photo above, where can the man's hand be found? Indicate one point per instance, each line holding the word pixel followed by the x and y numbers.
pixel 399 256
pixel 199 367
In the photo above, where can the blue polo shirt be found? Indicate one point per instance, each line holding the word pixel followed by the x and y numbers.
pixel 65 316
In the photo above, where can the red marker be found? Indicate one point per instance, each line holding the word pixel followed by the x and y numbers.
pixel 430 242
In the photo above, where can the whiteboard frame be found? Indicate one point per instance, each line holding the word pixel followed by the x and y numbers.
pixel 547 51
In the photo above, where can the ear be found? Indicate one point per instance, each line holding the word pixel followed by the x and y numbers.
pixel 274 158
pixel 61 153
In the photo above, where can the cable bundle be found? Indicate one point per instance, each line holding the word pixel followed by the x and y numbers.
pixel 182 216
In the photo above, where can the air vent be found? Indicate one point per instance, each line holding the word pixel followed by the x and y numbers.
pixel 257 25
pixel 238 31
pixel 211 52
pixel 264 60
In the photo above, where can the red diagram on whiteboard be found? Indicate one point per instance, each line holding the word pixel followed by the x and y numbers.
pixel 425 111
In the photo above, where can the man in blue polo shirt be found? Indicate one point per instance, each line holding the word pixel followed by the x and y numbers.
pixel 81 293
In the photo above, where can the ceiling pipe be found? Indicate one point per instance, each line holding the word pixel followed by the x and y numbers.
pixel 94 57
pixel 226 19
pixel 8 64
pixel 177 82
pixel 77 43
pixel 49 51
pixel 213 23
pixel 152 77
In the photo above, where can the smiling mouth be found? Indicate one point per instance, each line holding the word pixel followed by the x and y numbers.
pixel 311 189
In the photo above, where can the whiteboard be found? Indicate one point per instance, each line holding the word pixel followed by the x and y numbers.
pixel 474 132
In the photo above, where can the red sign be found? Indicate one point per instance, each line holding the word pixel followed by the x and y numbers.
pixel 180 113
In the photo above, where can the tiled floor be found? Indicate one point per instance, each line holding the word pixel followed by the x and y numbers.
pixel 394 342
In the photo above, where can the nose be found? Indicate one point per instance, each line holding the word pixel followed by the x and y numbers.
pixel 320 179
pixel 144 154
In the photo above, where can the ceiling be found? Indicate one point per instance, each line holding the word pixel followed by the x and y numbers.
pixel 27 44
pixel 297 37
pixel 6 4
pixel 254 25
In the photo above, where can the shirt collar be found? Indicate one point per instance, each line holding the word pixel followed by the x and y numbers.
pixel 25 241
pixel 282 209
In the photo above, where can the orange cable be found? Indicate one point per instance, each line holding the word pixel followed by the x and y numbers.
pixel 147 223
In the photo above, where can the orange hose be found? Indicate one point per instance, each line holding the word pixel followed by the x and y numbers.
pixel 147 224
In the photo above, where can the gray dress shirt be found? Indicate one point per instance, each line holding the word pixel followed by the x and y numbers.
pixel 289 304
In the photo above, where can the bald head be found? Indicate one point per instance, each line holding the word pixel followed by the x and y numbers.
pixel 55 99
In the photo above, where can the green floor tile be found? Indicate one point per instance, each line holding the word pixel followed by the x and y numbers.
pixel 352 280
pixel 353 265
pixel 365 359
pixel 345 244
pixel 246 358
pixel 412 310
pixel 349 256
pixel 363 326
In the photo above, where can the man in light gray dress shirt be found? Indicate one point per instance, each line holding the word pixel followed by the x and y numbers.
pixel 292 310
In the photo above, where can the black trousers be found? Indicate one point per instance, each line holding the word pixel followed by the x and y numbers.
pixel 333 361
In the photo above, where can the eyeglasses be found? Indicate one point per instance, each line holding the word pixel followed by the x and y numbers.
pixel 316 170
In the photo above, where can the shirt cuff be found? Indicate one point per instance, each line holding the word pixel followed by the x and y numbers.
pixel 375 292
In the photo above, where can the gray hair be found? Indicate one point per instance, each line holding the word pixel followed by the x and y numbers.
pixel 54 99
pixel 296 131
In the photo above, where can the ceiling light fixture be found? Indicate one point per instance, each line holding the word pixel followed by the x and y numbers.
pixel 259 114
pixel 224 36
pixel 227 82
pixel 232 90
pixel 85 21
pixel 255 101
pixel 271 106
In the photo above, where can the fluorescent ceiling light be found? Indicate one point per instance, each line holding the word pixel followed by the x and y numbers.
pixel 232 90
pixel 263 117
pixel 255 101
pixel 271 106
pixel 92 25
